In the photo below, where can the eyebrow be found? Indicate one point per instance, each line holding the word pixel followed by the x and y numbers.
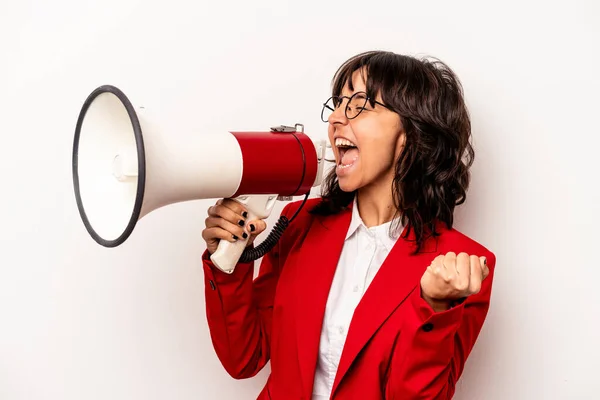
pixel 362 92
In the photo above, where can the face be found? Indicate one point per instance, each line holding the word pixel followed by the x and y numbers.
pixel 365 147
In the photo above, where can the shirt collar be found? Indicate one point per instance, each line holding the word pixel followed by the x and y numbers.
pixel 381 233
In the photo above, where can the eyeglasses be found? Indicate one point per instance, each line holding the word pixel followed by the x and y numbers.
pixel 358 102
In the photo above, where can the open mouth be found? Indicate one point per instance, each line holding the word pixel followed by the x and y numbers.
pixel 348 152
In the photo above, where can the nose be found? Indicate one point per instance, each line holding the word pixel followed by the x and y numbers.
pixel 338 116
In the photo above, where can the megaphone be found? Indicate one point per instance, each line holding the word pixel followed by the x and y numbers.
pixel 124 167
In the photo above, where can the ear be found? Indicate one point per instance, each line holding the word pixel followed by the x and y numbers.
pixel 400 142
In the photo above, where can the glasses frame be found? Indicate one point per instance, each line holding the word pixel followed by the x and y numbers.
pixel 341 98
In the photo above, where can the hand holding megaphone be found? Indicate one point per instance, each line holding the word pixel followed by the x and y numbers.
pixel 256 208
pixel 229 221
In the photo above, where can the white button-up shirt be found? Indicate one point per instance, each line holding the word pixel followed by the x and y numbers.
pixel 364 251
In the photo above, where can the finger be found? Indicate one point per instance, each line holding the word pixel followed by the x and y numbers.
pixel 450 260
pixel 463 270
pixel 217 233
pixel 450 266
pixel 434 269
pixel 431 277
pixel 427 277
pixel 439 270
pixel 233 229
pixel 476 275
pixel 432 273
pixel 236 207
pixel 439 259
pixel 255 227
pixel 484 267
pixel 228 204
pixel 222 211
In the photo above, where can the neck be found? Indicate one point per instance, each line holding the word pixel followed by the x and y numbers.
pixel 376 204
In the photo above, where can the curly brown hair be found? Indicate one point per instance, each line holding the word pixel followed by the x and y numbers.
pixel 432 172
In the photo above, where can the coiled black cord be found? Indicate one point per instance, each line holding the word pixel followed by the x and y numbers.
pixel 252 254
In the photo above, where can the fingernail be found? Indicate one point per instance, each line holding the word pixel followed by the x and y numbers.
pixel 235 237
pixel 241 223
pixel 244 235
pixel 245 214
pixel 252 227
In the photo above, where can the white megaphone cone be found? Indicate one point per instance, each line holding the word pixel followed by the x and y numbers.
pixel 124 169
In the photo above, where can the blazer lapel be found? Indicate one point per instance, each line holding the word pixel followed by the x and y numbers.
pixel 400 273
pixel 320 255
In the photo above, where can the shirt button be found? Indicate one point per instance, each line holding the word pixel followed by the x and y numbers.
pixel 341 330
pixel 356 288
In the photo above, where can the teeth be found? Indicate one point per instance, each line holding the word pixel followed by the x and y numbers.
pixel 343 142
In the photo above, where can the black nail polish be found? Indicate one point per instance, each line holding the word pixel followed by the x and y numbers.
pixel 235 237
pixel 245 214
pixel 245 235
pixel 252 228
pixel 241 223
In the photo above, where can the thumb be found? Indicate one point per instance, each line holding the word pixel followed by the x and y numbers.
pixel 484 267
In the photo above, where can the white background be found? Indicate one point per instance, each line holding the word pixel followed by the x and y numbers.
pixel 79 321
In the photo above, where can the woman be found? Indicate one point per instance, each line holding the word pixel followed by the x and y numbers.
pixel 370 293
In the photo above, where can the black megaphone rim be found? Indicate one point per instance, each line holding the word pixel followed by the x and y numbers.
pixel 141 181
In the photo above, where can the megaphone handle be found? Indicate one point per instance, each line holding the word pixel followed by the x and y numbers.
pixel 228 254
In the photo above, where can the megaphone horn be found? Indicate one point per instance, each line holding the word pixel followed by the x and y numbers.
pixel 125 168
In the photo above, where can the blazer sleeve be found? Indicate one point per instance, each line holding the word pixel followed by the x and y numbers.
pixel 239 311
pixel 433 347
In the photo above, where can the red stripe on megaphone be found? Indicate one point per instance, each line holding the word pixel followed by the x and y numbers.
pixel 283 163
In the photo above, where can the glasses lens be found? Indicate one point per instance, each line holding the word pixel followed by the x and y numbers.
pixel 356 104
pixel 328 108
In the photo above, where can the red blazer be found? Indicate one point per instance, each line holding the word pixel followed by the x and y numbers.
pixel 396 348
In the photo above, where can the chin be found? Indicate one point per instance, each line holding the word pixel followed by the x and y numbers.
pixel 346 185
